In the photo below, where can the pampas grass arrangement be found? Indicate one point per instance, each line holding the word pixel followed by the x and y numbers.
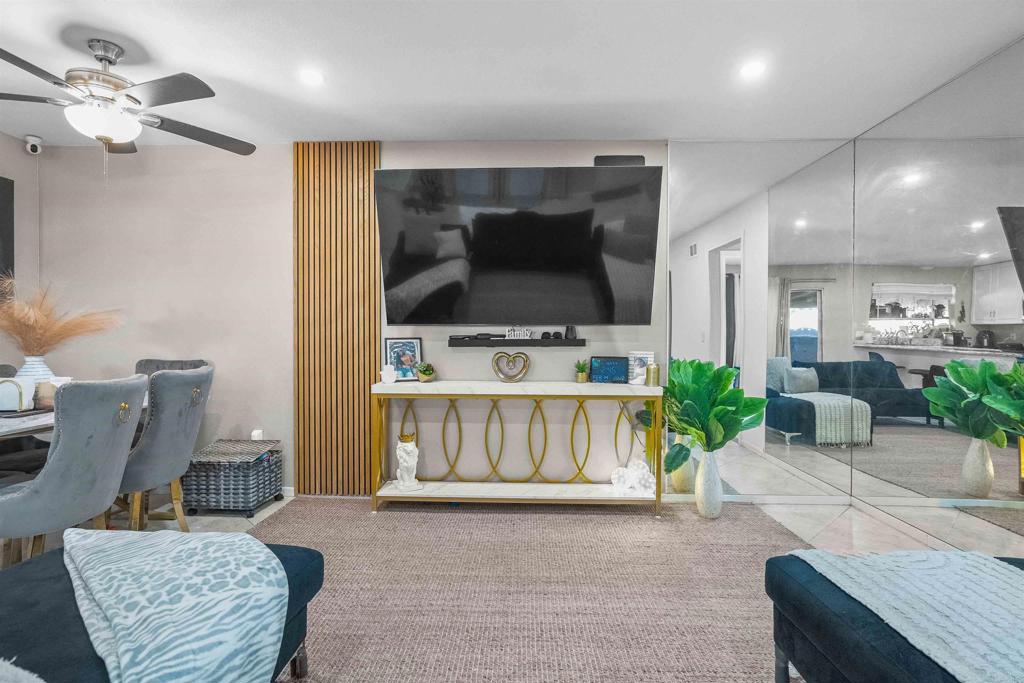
pixel 35 325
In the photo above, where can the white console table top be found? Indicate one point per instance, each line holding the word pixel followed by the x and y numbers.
pixel 497 388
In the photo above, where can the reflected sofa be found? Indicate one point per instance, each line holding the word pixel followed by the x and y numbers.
pixel 877 383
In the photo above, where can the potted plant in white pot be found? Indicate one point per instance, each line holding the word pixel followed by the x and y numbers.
pixel 705 412
pixel 36 327
pixel 965 397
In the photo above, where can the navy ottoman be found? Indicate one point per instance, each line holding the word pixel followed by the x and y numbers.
pixel 41 629
pixel 831 638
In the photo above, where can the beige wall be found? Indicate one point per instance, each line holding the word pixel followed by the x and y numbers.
pixel 194 246
pixel 23 169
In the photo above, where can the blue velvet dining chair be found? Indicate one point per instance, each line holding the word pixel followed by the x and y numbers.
pixel 177 403
pixel 93 427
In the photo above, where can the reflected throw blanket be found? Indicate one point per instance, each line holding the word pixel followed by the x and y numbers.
pixel 838 419
pixel 166 606
pixel 963 610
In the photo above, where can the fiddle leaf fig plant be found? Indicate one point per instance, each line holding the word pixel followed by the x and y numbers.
pixel 701 402
pixel 1006 396
pixel 978 401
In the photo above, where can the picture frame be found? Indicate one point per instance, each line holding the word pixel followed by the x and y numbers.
pixel 638 362
pixel 609 369
pixel 404 354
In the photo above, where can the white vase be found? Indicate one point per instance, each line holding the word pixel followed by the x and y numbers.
pixel 682 478
pixel 977 473
pixel 708 488
pixel 35 369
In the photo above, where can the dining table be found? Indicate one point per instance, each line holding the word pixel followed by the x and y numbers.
pixel 26 425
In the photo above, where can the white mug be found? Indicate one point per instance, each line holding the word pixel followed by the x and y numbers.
pixel 388 375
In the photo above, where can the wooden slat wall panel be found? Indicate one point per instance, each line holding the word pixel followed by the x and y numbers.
pixel 337 314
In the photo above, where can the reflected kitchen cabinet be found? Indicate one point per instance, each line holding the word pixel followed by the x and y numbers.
pixel 997 297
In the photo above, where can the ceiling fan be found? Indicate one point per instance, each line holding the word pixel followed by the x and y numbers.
pixel 112 109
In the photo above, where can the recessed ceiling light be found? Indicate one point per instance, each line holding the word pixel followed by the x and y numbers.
pixel 912 178
pixel 800 222
pixel 984 255
pixel 977 225
pixel 753 70
pixel 311 77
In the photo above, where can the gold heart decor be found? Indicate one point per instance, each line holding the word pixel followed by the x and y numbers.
pixel 510 368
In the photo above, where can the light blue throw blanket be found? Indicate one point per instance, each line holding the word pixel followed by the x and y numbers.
pixel 964 610
pixel 165 606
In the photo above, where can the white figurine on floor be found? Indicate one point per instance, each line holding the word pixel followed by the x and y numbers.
pixel 408 458
pixel 633 479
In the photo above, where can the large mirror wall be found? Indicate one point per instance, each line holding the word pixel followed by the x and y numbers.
pixel 890 258
pixel 843 279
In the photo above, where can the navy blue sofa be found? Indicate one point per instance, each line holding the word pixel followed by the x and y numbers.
pixel 877 383
pixel 831 638
pixel 42 630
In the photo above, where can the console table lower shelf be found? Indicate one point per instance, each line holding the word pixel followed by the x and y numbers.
pixel 501 492
pixel 578 489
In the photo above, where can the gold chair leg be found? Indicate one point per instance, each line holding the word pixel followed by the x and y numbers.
pixel 135 511
pixel 179 510
pixel 15 556
pixel 38 546
pixel 99 522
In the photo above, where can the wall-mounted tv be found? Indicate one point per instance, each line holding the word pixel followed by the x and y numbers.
pixel 519 246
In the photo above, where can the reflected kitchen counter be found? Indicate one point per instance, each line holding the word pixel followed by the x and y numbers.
pixel 940 350
pixel 908 357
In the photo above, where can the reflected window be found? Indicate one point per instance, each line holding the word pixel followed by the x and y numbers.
pixel 805 325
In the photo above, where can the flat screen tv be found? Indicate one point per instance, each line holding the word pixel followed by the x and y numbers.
pixel 519 246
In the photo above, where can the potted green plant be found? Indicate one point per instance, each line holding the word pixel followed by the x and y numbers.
pixel 581 371
pixel 980 402
pixel 705 412
pixel 425 372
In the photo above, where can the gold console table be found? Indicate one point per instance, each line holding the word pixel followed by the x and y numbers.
pixel 534 488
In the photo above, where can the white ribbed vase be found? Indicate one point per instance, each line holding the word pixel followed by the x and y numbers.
pixel 708 488
pixel 35 369
pixel 977 473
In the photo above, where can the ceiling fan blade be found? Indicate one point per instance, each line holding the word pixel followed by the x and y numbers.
pixel 177 88
pixel 41 73
pixel 199 134
pixel 33 98
pixel 120 147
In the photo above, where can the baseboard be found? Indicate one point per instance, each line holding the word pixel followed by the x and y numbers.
pixel 288 491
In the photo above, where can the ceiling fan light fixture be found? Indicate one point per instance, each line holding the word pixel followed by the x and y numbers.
pixel 102 120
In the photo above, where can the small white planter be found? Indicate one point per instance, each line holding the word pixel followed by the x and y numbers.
pixel 708 488
pixel 977 473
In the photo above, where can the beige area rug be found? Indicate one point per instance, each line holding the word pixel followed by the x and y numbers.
pixel 1011 519
pixel 426 593
pixel 927 460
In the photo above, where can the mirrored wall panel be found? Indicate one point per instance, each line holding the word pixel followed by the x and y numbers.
pixel 813 420
pixel 938 308
pixel 729 231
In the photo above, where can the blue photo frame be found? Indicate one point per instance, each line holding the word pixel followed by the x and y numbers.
pixel 609 369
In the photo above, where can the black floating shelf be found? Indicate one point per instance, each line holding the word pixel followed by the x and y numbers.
pixel 492 343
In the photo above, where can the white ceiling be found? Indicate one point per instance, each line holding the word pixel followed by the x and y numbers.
pixel 498 69
pixel 708 178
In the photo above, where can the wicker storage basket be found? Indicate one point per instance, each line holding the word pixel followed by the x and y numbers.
pixel 233 474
